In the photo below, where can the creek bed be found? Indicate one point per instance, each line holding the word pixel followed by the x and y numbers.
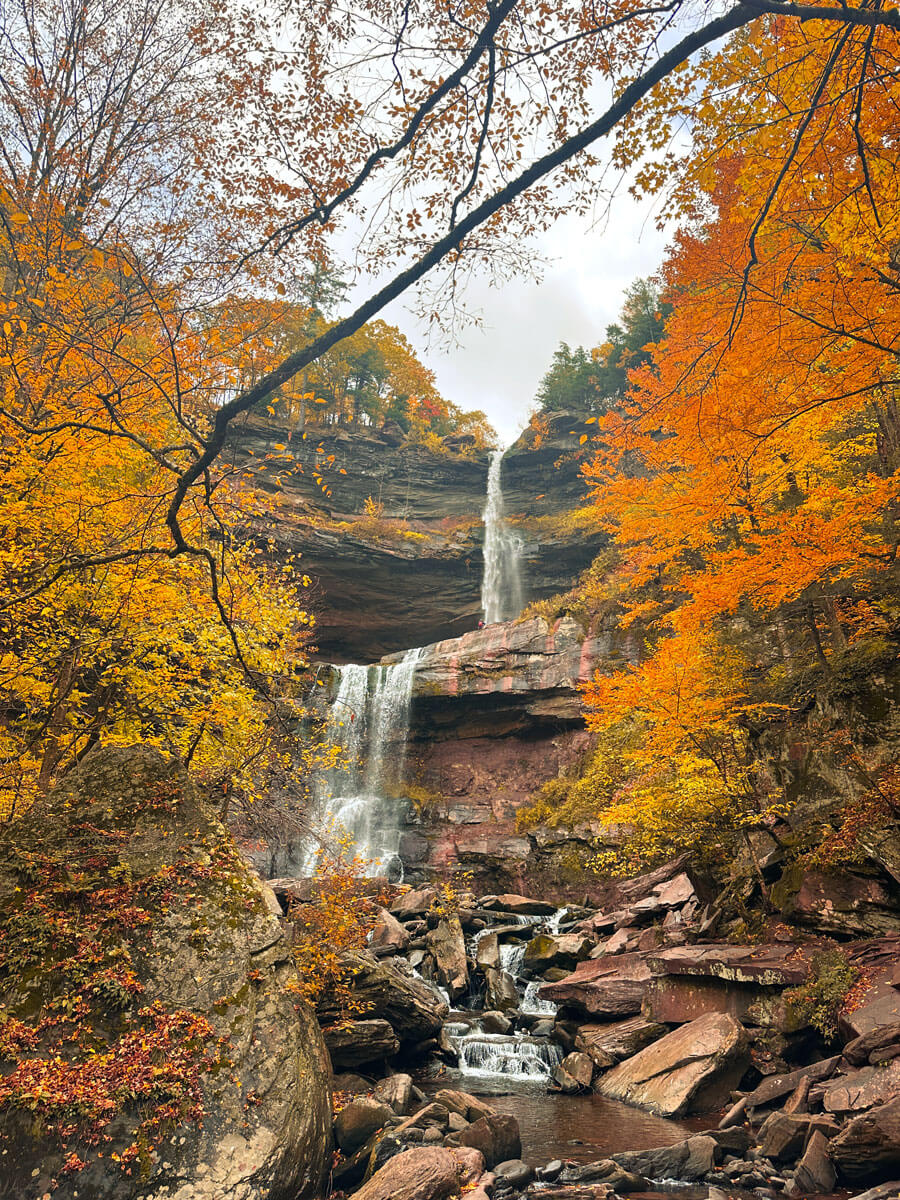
pixel 586 1128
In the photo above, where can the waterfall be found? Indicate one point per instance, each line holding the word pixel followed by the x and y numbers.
pixel 512 955
pixel 357 798
pixel 497 1054
pixel 501 587
pixel 533 1005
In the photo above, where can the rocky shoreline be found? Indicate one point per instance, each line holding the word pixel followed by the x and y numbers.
pixel 638 1000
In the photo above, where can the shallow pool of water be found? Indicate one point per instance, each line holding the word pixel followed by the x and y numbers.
pixel 579 1128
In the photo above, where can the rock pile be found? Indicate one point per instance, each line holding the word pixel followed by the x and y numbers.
pixel 636 1001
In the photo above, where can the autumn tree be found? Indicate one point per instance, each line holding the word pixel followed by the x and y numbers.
pixel 156 159
pixel 750 475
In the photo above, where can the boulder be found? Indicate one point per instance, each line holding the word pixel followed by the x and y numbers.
pixel 470 1164
pixel 874 1046
pixel 609 1044
pixel 603 988
pixel 815 1172
pixel 395 1091
pixel 495 1022
pixel 842 903
pixel 520 905
pixel 158 941
pixel 487 952
pixel 693 980
pixel 415 903
pixel 604 1171
pixel 552 950
pixel 500 993
pixel 467 1106
pixel 379 990
pixel 448 948
pixel 776 1086
pixel 358 1120
pixel 514 1173
pixel 867 1149
pixel 388 934
pixel 782 1136
pixel 426 1173
pixel 574 1073
pixel 876 996
pixel 355 1043
pixel 863 1089
pixel 496 1136
pixel 690 1070
pixel 685 1161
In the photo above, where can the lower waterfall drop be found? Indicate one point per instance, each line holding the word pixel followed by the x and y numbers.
pixel 357 799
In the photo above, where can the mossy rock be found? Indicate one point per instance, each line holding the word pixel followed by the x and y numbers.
pixel 150 1044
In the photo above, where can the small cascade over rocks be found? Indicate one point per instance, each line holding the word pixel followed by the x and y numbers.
pixel 358 797
pixel 501 587
pixel 516 1055
pixel 533 1004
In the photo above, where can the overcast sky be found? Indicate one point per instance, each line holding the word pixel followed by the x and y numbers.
pixel 498 366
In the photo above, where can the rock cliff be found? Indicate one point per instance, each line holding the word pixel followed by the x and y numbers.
pixel 409 571
pixel 496 713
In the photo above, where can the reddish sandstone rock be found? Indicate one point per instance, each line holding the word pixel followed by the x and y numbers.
pixel 602 987
pixel 776 1086
pixel 867 1149
pixel 521 905
pixel 690 1070
pixel 448 947
pixel 388 934
pixel 422 1174
pixel 496 1136
pixel 863 1089
pixel 874 1001
pixel 619 1040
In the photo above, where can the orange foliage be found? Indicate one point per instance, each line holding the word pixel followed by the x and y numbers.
pixel 752 470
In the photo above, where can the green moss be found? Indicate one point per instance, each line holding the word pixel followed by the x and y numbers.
pixel 818 1001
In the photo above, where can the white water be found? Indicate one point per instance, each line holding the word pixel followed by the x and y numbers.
pixel 501 586
pixel 497 1054
pixel 368 725
pixel 533 1005
pixel 512 956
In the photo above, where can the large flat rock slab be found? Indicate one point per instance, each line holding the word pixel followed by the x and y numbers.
pixel 603 987
pixel 775 965
pixel 690 1070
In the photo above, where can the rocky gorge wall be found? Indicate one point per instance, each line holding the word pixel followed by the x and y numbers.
pixel 410 574
pixel 495 714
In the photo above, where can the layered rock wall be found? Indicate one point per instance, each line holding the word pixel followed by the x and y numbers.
pixel 495 714
pixel 410 575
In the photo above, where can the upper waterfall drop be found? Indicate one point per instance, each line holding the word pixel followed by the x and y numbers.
pixel 501 585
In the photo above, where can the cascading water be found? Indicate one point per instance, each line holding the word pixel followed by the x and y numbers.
pixel 497 1054
pixel 512 955
pixel 501 586
pixel 533 1005
pixel 368 729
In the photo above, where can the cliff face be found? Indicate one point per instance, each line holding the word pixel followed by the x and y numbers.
pixel 409 572
pixel 495 714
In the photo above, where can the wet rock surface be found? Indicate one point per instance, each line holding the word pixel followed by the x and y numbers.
pixel 590 1029
pixel 372 583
